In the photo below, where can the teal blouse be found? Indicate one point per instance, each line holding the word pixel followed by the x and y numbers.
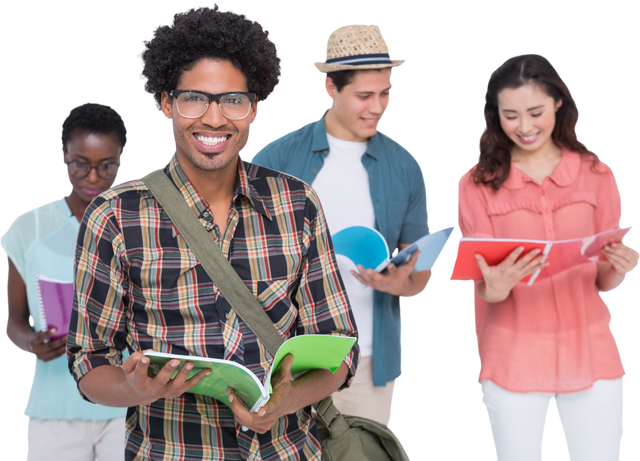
pixel 43 242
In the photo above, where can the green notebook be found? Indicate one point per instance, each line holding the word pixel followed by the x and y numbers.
pixel 310 352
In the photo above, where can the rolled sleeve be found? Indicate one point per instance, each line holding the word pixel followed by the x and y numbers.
pixel 322 299
pixel 97 333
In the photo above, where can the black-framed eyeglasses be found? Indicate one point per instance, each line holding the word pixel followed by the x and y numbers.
pixel 79 169
pixel 234 105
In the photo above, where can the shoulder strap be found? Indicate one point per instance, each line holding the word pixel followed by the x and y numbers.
pixel 212 260
pixel 223 275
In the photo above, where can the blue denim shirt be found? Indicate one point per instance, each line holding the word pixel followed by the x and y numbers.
pixel 400 207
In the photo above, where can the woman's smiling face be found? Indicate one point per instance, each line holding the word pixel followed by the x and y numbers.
pixel 528 117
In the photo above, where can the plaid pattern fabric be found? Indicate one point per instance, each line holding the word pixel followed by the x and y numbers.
pixel 138 286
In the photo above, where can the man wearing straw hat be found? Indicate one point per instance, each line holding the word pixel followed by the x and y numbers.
pixel 363 178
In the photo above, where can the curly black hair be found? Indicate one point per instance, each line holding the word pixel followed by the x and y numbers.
pixel 95 119
pixel 209 33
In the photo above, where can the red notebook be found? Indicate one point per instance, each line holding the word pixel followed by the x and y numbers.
pixel 55 299
pixel 561 254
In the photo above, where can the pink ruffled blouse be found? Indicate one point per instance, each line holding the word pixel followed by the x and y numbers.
pixel 554 335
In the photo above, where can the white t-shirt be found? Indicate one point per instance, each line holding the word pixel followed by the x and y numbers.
pixel 343 187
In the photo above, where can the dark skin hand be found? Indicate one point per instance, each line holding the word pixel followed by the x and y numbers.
pixel 18 328
pixel 288 396
pixel 132 385
pixel 149 389
pixel 266 417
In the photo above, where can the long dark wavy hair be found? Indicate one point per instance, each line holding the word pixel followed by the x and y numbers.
pixel 494 164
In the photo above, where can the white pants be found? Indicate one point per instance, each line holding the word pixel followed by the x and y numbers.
pixel 592 421
pixel 76 440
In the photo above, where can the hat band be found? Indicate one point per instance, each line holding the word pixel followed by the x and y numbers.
pixel 362 59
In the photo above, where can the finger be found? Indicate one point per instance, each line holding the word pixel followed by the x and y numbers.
pixel 42 336
pixel 179 383
pixel 618 250
pixel 369 275
pixel 286 364
pixel 528 258
pixel 405 268
pixel 140 372
pixel 410 265
pixel 57 343
pixel 391 270
pixel 63 338
pixel 284 372
pixel 237 406
pixel 614 253
pixel 363 277
pixel 195 379
pixel 482 264
pixel 57 350
pixel 358 277
pixel 619 264
pixel 373 276
pixel 531 269
pixel 512 258
pixel 165 374
pixel 129 364
pixel 49 350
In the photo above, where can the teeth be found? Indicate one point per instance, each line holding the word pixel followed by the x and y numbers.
pixel 529 138
pixel 210 141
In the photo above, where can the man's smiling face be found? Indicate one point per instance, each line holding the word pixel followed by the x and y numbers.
pixel 210 142
pixel 360 104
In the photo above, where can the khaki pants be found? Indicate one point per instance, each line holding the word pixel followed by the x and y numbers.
pixel 362 398
pixel 76 440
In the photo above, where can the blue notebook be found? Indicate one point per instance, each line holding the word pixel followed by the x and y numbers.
pixel 366 246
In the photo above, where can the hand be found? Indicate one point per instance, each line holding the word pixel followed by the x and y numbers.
pixel 47 350
pixel 621 257
pixel 499 280
pixel 149 389
pixel 279 403
pixel 394 280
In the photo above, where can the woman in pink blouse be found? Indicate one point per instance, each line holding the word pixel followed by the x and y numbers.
pixel 535 180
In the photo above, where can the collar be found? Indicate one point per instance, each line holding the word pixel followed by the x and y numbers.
pixel 564 174
pixel 243 187
pixel 320 144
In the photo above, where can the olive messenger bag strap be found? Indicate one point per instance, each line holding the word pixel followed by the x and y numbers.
pixel 213 261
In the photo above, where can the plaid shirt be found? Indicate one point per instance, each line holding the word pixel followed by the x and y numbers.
pixel 138 286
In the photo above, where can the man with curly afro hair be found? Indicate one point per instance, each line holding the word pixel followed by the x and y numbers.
pixel 140 287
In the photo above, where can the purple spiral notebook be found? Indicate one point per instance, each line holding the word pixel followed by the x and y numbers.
pixel 55 299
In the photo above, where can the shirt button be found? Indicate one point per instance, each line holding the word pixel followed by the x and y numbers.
pixel 542 192
pixel 313 171
pixel 227 315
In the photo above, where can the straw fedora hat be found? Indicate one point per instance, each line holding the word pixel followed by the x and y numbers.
pixel 356 48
